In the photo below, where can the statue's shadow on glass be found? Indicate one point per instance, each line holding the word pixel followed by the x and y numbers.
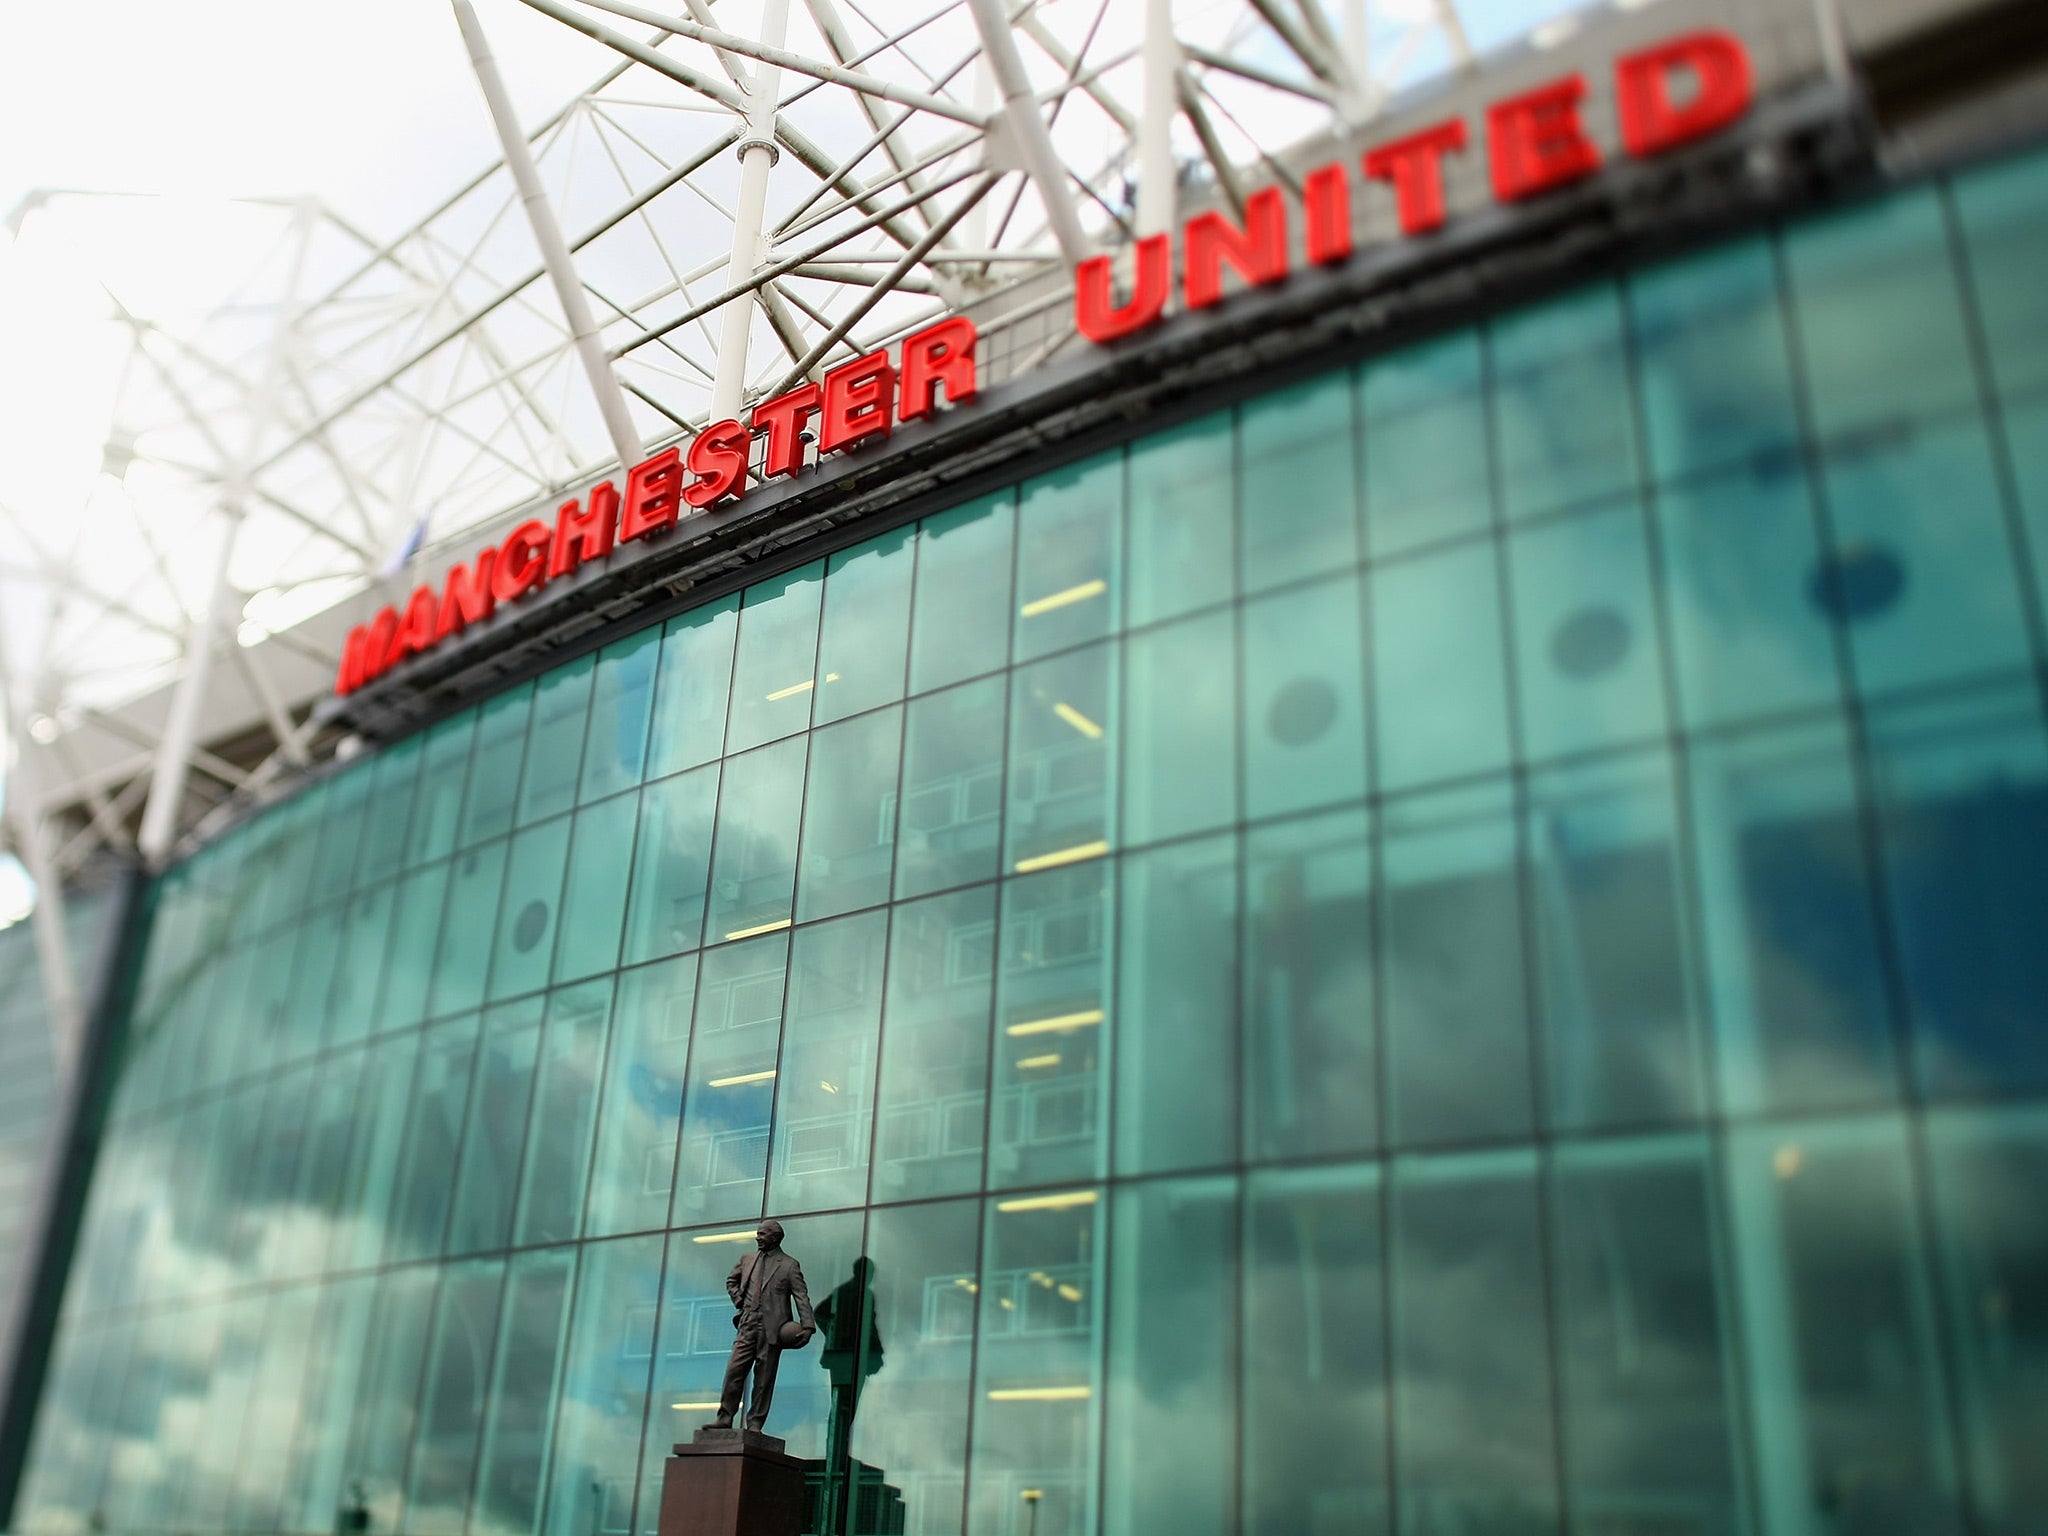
pixel 851 1353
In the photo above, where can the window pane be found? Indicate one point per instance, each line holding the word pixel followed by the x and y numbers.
pixel 433 1132
pixel 824 1087
pixel 365 927
pixel 1451 943
pixel 494 765
pixel 1921 568
pixel 734 1046
pixel 849 833
pixel 494 1135
pixel 1315 1395
pixel 1717 383
pixel 1176 1015
pixel 671 865
pixel 381 1430
pixel 932 1097
pixel 2003 209
pixel 1794 971
pixel 1586 649
pixel 1181 726
pixel 1063 733
pixel 952 789
pixel 1439 694
pixel 594 893
pixel 1171 1386
pixel 1474 1440
pixel 1740 558
pixel 1068 525
pixel 772 682
pixel 621 700
pixel 754 876
pixel 1613 962
pixel 1298 482
pixel 1562 410
pixel 603 1390
pixel 341 835
pixel 690 694
pixel 2027 447
pixel 1308 1010
pixel 1180 520
pixel 557 1159
pixel 520 1408
pixel 961 627
pixel 866 626
pixel 466 931
pixel 437 802
pixel 312 1475
pixel 1427 463
pixel 389 811
pixel 1889 259
pixel 415 928
pixel 554 741
pixel 642 1099
pixel 381 1113
pixel 691 1345
pixel 527 913
pixel 445 1438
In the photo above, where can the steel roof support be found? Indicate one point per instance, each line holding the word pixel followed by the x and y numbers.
pixel 1155 129
pixel 554 251
pixel 1028 133
pixel 161 814
pixel 758 154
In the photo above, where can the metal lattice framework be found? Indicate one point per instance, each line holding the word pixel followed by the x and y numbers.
pixel 748 196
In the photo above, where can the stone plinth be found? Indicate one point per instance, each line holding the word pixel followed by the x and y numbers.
pixel 732 1482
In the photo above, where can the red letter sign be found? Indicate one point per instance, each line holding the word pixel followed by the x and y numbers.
pixel 651 499
pixel 783 420
pixel 1097 318
pixel 1650 122
pixel 522 562
pixel 859 397
pixel 581 536
pixel 1258 251
pixel 467 599
pixel 938 354
pixel 1537 142
pixel 1415 166
pixel 719 459
pixel 1326 199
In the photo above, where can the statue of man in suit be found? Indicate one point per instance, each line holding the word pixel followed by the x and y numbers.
pixel 772 1313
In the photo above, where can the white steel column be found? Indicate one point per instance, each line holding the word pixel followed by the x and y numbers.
pixel 1027 128
pixel 1359 100
pixel 1155 128
pixel 757 157
pixel 554 250
pixel 181 727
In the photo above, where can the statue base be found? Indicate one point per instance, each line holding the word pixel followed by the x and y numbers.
pixel 733 1482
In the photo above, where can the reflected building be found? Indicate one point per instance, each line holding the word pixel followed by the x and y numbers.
pixel 1445 938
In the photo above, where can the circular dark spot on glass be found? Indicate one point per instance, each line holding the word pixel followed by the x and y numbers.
pixel 1302 711
pixel 1589 642
pixel 1860 582
pixel 531 923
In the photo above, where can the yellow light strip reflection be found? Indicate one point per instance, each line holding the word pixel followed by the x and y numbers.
pixel 725 1237
pixel 1063 598
pixel 1073 855
pixel 792 690
pixel 744 1077
pixel 1058 1024
pixel 1065 1200
pixel 1071 1292
pixel 1078 721
pixel 756 932
pixel 709 1407
pixel 1040 1394
pixel 1037 1063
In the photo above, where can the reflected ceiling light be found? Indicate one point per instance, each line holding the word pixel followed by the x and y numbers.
pixel 967 1285
pixel 743 1077
pixel 1787 1160
pixel 1062 599
pixel 1071 1292
pixel 1058 1023
pixel 1007 1304
pixel 793 689
pixel 725 1237
pixel 759 929
pixel 1065 1200
pixel 1073 855
pixel 709 1407
pixel 1037 1063
pixel 828 1087
pixel 1040 1394
pixel 1078 721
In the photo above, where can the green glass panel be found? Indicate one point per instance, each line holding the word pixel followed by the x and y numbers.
pixel 691 1343
pixel 1562 412
pixel 773 672
pixel 1298 482
pixel 1438 672
pixel 735 1043
pixel 1180 725
pixel 671 865
pixel 865 629
pixel 415 933
pixel 594 889
pixel 313 967
pixel 300 1248
pixel 2003 209
pixel 437 801
pixel 557 1163
pixel 753 873
pixel 382 1425
pixel 312 1477
pixel 389 811
pixel 1062 779
pixel 960 624
pixel 1304 735
pixel 341 835
pixel 462 961
pixel 949 830
pixel 359 969
pixel 1176 1036
pixel 519 1410
pixel 849 828
pixel 1428 467
pixel 1181 520
pixel 494 765
pixel 690 693
pixel 1069 526
pixel 524 941
pixel 825 1080
pixel 444 1450
pixel 494 1132
pixel 1309 1077
pixel 602 1396
pixel 621 703
pixel 641 1102
pixel 370 1177
pixel 932 1094
pixel 433 1133
pixel 2027 448
pixel 555 740
pixel 274 1385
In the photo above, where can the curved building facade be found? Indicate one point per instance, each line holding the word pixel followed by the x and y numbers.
pixel 1449 942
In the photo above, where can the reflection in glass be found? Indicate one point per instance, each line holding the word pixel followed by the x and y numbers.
pixel 690 694
pixel 555 740
pixel 458 1362
pixel 961 624
pixel 849 831
pixel 772 682
pixel 950 828
pixel 602 1395
pixel 1181 538
pixel 824 1090
pixel 671 865
pixel 494 1134
pixel 594 888
pixel 556 1161
pixel 641 1103
pixel 1427 463
pixel 1069 525
pixel 1063 735
pixel 1562 413
pixel 494 765
pixel 1180 729
pixel 866 627
pixel 463 960
pixel 519 1411
pixel 753 876
pixel 527 912
pixel 1298 482
pixel 433 1132
pixel 735 1044
pixel 621 700
pixel 1438 672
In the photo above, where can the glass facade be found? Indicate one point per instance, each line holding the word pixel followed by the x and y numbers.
pixel 1441 950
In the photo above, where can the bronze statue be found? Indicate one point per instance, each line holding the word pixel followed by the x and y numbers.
pixel 772 1313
